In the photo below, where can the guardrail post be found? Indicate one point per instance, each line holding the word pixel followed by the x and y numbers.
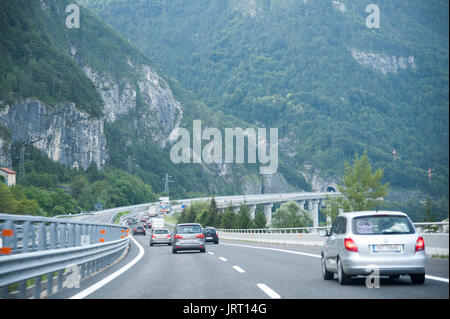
pixel 71 235
pixel 77 235
pixel 7 238
pixel 62 236
pixel 49 284
pixel 42 237
pixel 60 278
pixel 22 289
pixel 25 236
pixel 37 287
pixel 53 235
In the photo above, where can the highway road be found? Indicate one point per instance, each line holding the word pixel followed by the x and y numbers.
pixel 241 270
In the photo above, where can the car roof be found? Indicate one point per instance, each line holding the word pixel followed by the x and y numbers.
pixel 189 224
pixel 371 213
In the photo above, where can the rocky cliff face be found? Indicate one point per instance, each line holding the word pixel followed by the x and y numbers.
pixel 382 62
pixel 160 112
pixel 65 134
pixel 72 138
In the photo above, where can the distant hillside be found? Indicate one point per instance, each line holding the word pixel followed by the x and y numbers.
pixel 313 69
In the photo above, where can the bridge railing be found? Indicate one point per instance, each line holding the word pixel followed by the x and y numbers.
pixel 35 247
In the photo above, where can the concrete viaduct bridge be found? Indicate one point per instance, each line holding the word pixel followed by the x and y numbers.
pixel 306 200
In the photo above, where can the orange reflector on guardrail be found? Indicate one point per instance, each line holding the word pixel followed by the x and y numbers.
pixel 123 230
pixel 102 240
pixel 7 232
pixel 122 236
pixel 102 231
pixel 5 250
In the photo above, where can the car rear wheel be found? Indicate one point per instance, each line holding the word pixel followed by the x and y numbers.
pixel 343 278
pixel 174 251
pixel 203 250
pixel 327 275
pixel 417 279
pixel 151 244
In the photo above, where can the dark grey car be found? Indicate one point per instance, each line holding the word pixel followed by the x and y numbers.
pixel 188 237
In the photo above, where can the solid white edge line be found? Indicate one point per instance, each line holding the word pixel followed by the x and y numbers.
pixel 111 277
pixel 238 269
pixel 319 256
pixel 272 294
pixel 436 278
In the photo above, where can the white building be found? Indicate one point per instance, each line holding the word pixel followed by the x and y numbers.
pixel 9 175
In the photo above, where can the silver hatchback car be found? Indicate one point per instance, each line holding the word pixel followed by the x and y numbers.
pixel 188 237
pixel 160 236
pixel 361 242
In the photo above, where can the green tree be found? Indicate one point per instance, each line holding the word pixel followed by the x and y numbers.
pixel 362 189
pixel 244 220
pixel 189 215
pixel 291 215
pixel 213 214
pixel 202 218
pixel 260 220
pixel 228 218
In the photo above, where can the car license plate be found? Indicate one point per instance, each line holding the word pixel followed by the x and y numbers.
pixel 387 248
pixel 208 237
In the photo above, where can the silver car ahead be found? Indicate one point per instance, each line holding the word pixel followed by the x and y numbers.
pixel 188 237
pixel 160 236
pixel 360 243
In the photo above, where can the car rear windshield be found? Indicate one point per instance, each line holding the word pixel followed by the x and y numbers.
pixel 161 231
pixel 189 229
pixel 382 225
pixel 210 231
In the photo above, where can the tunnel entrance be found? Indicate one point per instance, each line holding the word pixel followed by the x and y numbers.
pixel 331 189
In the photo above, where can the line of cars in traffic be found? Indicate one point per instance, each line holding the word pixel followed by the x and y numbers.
pixel 188 236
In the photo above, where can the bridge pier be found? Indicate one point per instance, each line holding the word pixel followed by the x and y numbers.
pixel 313 209
pixel 252 211
pixel 268 213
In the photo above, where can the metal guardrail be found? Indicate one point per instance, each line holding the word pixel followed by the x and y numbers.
pixel 32 247
pixel 441 227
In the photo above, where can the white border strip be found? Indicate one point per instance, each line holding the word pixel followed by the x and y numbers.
pixel 111 277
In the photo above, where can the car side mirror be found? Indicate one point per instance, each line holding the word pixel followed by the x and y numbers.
pixel 324 233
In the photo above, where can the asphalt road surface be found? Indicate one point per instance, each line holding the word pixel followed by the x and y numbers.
pixel 241 270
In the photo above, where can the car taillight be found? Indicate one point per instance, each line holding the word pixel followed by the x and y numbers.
pixel 350 245
pixel 135 229
pixel 168 236
pixel 178 236
pixel 420 244
pixel 200 236
pixel 153 236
